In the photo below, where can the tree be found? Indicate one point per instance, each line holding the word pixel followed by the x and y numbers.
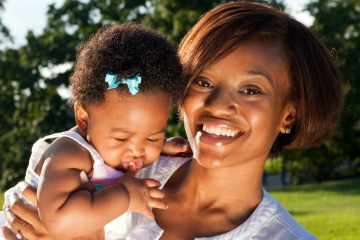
pixel 338 21
pixel 30 105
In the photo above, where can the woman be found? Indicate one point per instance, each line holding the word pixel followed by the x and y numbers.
pixel 258 82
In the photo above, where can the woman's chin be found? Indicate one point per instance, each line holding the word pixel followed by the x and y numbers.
pixel 210 159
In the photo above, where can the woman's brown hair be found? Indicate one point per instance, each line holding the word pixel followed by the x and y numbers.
pixel 316 84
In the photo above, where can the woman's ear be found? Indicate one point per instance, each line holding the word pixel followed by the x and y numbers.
pixel 81 118
pixel 289 118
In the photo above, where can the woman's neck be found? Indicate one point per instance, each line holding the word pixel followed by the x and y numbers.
pixel 236 190
pixel 225 197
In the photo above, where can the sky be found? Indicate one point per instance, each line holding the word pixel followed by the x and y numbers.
pixel 20 16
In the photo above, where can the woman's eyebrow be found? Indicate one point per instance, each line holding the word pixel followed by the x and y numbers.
pixel 259 73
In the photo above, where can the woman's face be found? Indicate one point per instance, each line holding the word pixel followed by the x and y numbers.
pixel 234 110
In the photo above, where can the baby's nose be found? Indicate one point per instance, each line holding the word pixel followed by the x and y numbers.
pixel 136 150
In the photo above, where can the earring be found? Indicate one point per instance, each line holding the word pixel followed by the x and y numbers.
pixel 84 127
pixel 287 131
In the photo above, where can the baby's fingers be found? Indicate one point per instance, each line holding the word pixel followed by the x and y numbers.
pixel 148 213
pixel 87 184
pixel 131 171
pixel 186 150
pixel 151 183
pixel 181 147
pixel 156 193
pixel 156 203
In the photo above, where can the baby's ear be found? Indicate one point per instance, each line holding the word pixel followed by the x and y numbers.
pixel 81 118
pixel 289 117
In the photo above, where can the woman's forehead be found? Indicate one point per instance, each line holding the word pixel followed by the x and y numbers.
pixel 251 58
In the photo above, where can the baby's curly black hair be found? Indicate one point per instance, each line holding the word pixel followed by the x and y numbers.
pixel 127 50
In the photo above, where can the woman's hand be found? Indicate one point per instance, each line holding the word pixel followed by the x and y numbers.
pixel 32 226
pixel 176 147
pixel 18 214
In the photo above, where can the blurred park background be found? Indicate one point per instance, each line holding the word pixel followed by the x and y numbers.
pixel 33 90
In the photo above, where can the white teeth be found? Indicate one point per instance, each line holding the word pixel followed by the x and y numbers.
pixel 228 133
pixel 219 131
pixel 211 130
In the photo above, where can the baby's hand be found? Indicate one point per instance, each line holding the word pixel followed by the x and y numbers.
pixel 143 193
pixel 176 147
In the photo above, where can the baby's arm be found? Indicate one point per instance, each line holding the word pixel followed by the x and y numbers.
pixel 63 201
pixel 17 213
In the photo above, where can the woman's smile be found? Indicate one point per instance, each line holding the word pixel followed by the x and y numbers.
pixel 217 132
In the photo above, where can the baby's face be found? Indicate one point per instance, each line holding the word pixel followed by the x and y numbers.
pixel 129 129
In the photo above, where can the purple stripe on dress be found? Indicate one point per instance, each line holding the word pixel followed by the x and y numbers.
pixel 102 181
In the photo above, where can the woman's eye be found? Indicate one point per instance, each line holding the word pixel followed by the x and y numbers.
pixel 203 83
pixel 251 91
pixel 152 140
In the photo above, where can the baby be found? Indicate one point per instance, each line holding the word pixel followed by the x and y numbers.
pixel 125 82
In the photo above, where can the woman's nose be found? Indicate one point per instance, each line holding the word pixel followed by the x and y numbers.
pixel 221 102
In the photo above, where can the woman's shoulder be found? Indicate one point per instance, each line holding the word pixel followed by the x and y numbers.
pixel 277 222
pixel 270 220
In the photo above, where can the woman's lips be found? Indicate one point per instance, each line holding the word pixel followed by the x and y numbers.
pixel 217 136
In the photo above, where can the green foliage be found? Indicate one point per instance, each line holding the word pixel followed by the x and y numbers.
pixel 341 34
pixel 30 105
pixel 329 211
pixel 2 198
pixel 273 166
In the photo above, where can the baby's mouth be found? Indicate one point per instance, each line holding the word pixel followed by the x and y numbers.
pixel 138 164
pixel 219 131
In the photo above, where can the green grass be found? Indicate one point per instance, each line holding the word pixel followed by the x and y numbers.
pixel 329 211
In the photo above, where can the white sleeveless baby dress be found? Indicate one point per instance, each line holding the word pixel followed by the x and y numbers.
pixel 103 175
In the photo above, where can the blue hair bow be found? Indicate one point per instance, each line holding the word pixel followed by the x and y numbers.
pixel 132 83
